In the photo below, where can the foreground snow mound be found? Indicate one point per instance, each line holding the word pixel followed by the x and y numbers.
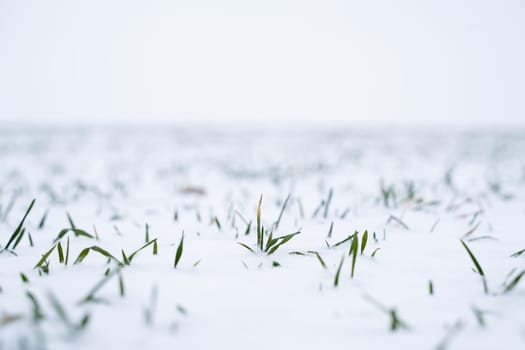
pixel 191 239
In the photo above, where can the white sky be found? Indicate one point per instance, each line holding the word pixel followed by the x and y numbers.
pixel 269 61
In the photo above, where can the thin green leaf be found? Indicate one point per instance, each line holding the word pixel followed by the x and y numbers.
pixel 178 254
pixel 246 246
pixel 338 272
pixel 44 257
pixel 364 239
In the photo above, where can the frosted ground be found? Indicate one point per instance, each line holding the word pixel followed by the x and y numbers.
pixel 417 194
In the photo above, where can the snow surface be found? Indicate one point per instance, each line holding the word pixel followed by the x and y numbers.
pixel 113 182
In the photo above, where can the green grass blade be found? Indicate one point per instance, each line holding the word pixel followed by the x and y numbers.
pixel 60 253
pixel 514 282
pixel 82 255
pixel 246 246
pixel 20 225
pixel 178 254
pixel 338 272
pixel 44 257
pixel 354 251
pixel 364 239
pixel 473 258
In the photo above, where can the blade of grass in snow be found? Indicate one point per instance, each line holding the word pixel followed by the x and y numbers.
pixel 24 277
pixel 76 231
pixel 478 266
pixel 259 229
pixel 343 241
pixel 395 322
pixel 91 294
pixel 30 240
pixel 353 252
pixel 44 257
pixel 149 312
pixel 60 253
pixel 178 253
pixel 364 239
pixel 328 202
pixel 43 220
pixel 130 257
pixel 512 284
pixel 19 228
pixel 321 261
pixel 217 222
pixel 330 230
pixel 35 307
pixel 398 221
pixel 84 253
pixel 246 246
pixel 67 252
pixel 122 289
pixel 19 238
pixel 518 253
pixel 282 240
pixel 283 208
pixel 479 315
pixel 248 227
pixel 338 272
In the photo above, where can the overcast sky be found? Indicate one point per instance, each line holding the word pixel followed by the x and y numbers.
pixel 269 61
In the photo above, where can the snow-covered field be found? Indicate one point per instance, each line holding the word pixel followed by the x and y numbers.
pixel 416 195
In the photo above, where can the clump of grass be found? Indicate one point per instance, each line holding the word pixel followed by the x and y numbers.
pixel 272 244
pixel 430 287
pixel 43 263
pixel 19 231
pixel 178 253
pixel 477 265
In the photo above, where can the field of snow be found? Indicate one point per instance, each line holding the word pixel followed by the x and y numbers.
pixel 407 239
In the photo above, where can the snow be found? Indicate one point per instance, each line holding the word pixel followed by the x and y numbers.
pixel 115 181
